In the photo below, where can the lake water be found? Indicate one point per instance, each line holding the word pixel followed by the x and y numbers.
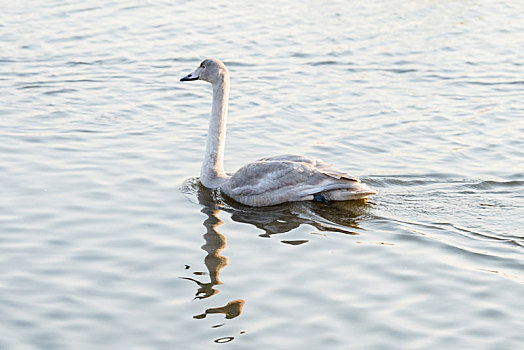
pixel 108 242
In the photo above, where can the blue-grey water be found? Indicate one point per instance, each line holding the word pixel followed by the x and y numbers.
pixel 108 242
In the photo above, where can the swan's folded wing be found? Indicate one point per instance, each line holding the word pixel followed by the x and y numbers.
pixel 268 176
pixel 295 175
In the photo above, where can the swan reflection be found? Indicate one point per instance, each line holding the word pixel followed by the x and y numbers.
pixel 341 217
pixel 215 243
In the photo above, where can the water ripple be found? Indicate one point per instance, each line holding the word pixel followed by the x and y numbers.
pixel 101 249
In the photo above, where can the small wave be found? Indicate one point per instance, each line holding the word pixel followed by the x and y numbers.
pixel 60 91
pixel 324 63
pixel 78 63
pixel 400 70
pixel 410 180
pixel 516 82
pixel 489 184
pixel 190 186
pixel 238 64
pixel 432 179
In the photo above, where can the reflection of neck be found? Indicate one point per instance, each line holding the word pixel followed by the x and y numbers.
pixel 215 243
pixel 212 171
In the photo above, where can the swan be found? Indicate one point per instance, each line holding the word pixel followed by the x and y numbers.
pixel 267 181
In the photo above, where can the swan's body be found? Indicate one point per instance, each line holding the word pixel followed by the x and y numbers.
pixel 272 180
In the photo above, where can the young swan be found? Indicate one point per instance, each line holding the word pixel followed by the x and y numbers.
pixel 272 180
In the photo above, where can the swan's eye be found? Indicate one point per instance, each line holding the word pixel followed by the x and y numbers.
pixel 203 67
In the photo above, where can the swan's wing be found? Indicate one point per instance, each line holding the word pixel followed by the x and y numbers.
pixel 265 176
pixel 286 178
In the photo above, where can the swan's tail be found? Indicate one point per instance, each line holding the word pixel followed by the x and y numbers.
pixel 358 190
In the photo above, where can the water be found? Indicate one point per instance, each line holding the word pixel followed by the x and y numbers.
pixel 107 241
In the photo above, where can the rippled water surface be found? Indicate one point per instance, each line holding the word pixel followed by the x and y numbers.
pixel 108 241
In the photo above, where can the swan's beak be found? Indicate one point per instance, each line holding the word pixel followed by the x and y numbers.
pixel 192 76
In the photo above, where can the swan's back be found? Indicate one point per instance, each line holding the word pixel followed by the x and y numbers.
pixel 287 178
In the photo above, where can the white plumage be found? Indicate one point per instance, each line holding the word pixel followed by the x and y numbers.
pixel 271 180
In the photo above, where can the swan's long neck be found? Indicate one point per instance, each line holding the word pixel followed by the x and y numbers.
pixel 212 172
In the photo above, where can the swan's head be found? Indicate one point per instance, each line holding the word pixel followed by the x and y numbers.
pixel 210 70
